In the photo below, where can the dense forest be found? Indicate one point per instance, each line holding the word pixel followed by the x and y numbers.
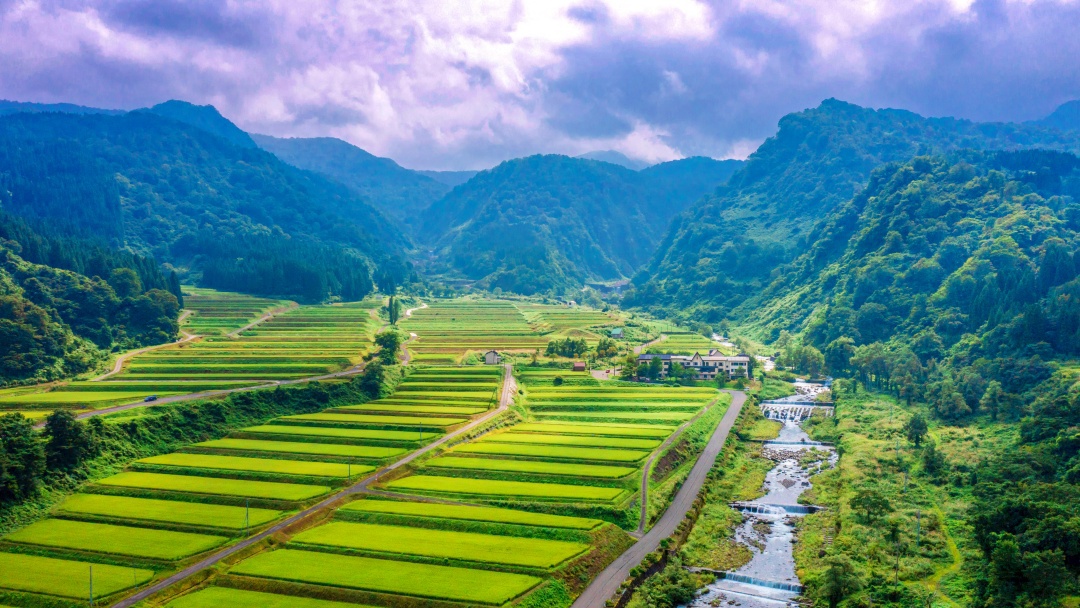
pixel 725 247
pixel 65 302
pixel 165 187
pixel 549 223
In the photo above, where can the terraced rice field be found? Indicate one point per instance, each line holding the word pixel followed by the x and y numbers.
pixel 322 432
pixel 448 329
pixel 193 484
pixel 219 312
pixel 471 513
pixel 300 447
pixel 255 465
pixel 529 466
pixel 66 578
pixel 466 546
pixel 491 489
pixel 217 597
pixel 388 576
pixel 114 540
pixel 166 511
pixel 682 342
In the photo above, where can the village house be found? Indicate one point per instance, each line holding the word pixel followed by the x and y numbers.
pixel 617 333
pixel 491 357
pixel 700 367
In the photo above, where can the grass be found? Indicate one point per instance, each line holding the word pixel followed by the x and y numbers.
pixel 66 578
pixel 471 513
pixel 573 440
pixel 607 430
pixel 362 419
pixel 114 540
pixel 551 451
pixel 216 597
pixel 166 511
pixel 299 447
pixel 387 576
pixel 495 489
pixel 212 485
pixel 529 466
pixel 468 546
pixel 338 433
pixel 257 465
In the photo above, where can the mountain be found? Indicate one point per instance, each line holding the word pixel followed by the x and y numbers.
pixel 228 215
pixel 206 118
pixel 65 302
pixel 726 247
pixel 15 107
pixel 396 191
pixel 615 158
pixel 546 223
pixel 450 178
pixel 1066 117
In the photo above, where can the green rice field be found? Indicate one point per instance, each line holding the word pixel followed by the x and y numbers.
pixel 607 430
pixel 388 576
pixel 530 466
pixel 555 452
pixel 166 511
pixel 66 578
pixel 468 546
pixel 471 513
pixel 572 440
pixel 578 415
pixel 114 540
pixel 375 420
pixel 219 597
pixel 414 409
pixel 495 488
pixel 258 465
pixel 212 485
pixel 299 447
pixel 332 432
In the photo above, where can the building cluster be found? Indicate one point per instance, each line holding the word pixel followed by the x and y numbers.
pixel 699 367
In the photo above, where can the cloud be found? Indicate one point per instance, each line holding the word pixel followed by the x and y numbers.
pixel 466 84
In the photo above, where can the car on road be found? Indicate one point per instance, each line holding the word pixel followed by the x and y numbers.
pixel 150 398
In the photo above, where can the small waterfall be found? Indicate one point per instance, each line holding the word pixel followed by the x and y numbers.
pixel 750 580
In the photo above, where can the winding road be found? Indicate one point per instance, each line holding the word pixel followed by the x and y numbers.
pixel 608 582
pixel 263 319
pixel 119 365
pixel 509 387
pixel 639 349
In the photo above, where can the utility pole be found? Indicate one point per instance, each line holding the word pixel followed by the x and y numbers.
pixel 91 586
pixel 247 513
pixel 918 527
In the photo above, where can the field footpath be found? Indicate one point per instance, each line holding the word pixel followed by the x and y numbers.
pixel 333 502
pixel 263 319
pixel 639 349
pixel 608 582
pixel 122 359
pixel 649 463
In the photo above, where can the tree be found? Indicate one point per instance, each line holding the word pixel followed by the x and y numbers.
pixel 125 282
pixel 840 579
pixel 676 371
pixel 389 343
pixel 629 367
pixel 371 381
pixel 838 355
pixel 393 309
pixel 933 460
pixel 992 399
pixel 22 458
pixel 68 441
pixel 606 347
pixel 872 504
pixel 655 368
pixel 916 429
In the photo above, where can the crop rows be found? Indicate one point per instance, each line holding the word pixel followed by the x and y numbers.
pixel 165 511
pixel 681 342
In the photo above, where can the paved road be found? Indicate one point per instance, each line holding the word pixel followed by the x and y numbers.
pixel 270 315
pixel 648 465
pixel 328 503
pixel 607 583
pixel 119 365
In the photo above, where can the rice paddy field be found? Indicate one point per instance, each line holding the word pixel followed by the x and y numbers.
pixel 220 312
pixel 682 342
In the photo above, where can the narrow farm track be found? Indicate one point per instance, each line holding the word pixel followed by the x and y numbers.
pixel 648 467
pixel 509 387
pixel 263 319
pixel 638 349
pixel 122 359
pixel 608 582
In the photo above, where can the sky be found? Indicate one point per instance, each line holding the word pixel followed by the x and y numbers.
pixel 449 84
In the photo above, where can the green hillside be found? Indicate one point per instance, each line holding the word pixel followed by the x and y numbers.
pixel 546 223
pixel 722 250
pixel 225 215
pixel 396 191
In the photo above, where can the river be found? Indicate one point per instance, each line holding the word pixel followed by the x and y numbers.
pixel 768 580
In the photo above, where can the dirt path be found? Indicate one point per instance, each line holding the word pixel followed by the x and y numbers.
pixel 122 359
pixel 263 319
pixel 639 349
pixel 328 503
pixel 649 463
pixel 607 583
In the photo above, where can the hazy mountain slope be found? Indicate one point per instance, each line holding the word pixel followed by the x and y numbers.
pixel 1066 117
pixel 393 189
pixel 237 217
pixel 450 178
pixel 725 248
pixel 15 107
pixel 549 222
pixel 615 158
pixel 206 118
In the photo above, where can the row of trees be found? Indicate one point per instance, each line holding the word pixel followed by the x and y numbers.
pixel 25 456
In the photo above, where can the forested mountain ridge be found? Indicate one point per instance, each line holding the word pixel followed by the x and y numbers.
pixel 396 191
pixel 64 302
pixel 233 216
pixel 206 118
pixel 726 247
pixel 549 222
